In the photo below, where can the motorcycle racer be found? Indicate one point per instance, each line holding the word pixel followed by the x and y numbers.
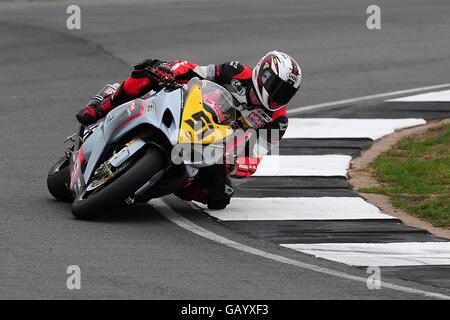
pixel 261 95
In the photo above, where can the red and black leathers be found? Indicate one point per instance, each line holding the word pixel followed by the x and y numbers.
pixel 234 76
pixel 99 106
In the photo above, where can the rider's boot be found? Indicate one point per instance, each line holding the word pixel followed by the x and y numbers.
pixel 220 196
pixel 213 188
pixel 220 187
pixel 99 106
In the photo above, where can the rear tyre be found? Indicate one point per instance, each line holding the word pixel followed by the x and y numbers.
pixel 58 181
pixel 118 190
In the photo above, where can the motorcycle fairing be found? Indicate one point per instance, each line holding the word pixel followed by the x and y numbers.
pixel 128 116
pixel 164 111
pixel 197 124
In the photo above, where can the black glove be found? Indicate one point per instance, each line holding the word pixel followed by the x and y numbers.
pixel 154 69
pixel 87 116
pixel 94 111
pixel 164 75
pixel 148 63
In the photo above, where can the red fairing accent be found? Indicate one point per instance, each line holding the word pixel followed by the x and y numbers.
pixel 141 112
pixel 245 74
pixel 133 87
pixel 76 168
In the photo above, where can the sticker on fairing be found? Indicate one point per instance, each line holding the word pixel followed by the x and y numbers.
pixel 256 118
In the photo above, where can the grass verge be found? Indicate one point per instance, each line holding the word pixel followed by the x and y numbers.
pixel 415 174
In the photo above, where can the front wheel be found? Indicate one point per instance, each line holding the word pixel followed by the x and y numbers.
pixel 58 181
pixel 117 191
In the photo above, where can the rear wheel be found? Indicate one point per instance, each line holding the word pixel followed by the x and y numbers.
pixel 87 206
pixel 58 180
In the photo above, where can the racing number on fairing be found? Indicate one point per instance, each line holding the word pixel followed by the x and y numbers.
pixel 206 127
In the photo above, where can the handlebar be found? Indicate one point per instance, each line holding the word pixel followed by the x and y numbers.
pixel 167 84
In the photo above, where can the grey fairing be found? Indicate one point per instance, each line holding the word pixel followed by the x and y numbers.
pixel 129 116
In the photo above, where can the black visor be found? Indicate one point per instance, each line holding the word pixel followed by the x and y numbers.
pixel 279 90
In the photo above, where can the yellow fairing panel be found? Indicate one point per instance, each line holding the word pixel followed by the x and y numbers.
pixel 197 124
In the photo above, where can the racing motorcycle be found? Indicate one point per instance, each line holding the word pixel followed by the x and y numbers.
pixel 146 148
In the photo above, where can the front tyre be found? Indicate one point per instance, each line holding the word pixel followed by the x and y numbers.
pixel 116 192
pixel 58 181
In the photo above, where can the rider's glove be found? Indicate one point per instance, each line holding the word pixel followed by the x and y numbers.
pixel 154 69
pixel 99 106
pixel 163 75
pixel 94 111
pixel 86 116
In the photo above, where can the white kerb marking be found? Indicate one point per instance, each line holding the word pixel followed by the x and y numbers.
pixel 346 128
pixel 437 96
pixel 380 254
pixel 188 225
pixel 322 165
pixel 302 208
pixel 326 105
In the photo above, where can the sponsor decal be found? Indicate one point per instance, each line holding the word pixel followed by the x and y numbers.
pixel 292 77
pixel 110 91
pixel 202 121
pixel 133 114
pixel 264 115
pixel 234 64
pixel 243 123
pixel 78 160
pixel 151 108
pixel 275 63
pixel 256 118
pixel 237 86
pixel 131 107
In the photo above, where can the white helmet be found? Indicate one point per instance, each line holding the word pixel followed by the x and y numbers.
pixel 276 79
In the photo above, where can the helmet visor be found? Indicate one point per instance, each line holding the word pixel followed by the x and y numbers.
pixel 279 90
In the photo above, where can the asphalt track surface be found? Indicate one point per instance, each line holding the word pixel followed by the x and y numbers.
pixel 47 72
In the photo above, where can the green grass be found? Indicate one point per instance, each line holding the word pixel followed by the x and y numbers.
pixel 415 174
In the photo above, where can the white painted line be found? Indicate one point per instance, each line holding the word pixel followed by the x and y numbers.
pixel 437 96
pixel 188 225
pixel 325 105
pixel 321 165
pixel 346 128
pixel 302 208
pixel 380 254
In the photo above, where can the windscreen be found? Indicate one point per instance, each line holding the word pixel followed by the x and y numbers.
pixel 219 102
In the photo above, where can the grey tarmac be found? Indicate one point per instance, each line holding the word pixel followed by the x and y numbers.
pixel 47 72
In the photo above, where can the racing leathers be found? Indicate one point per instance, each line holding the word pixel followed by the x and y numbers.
pixel 236 78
